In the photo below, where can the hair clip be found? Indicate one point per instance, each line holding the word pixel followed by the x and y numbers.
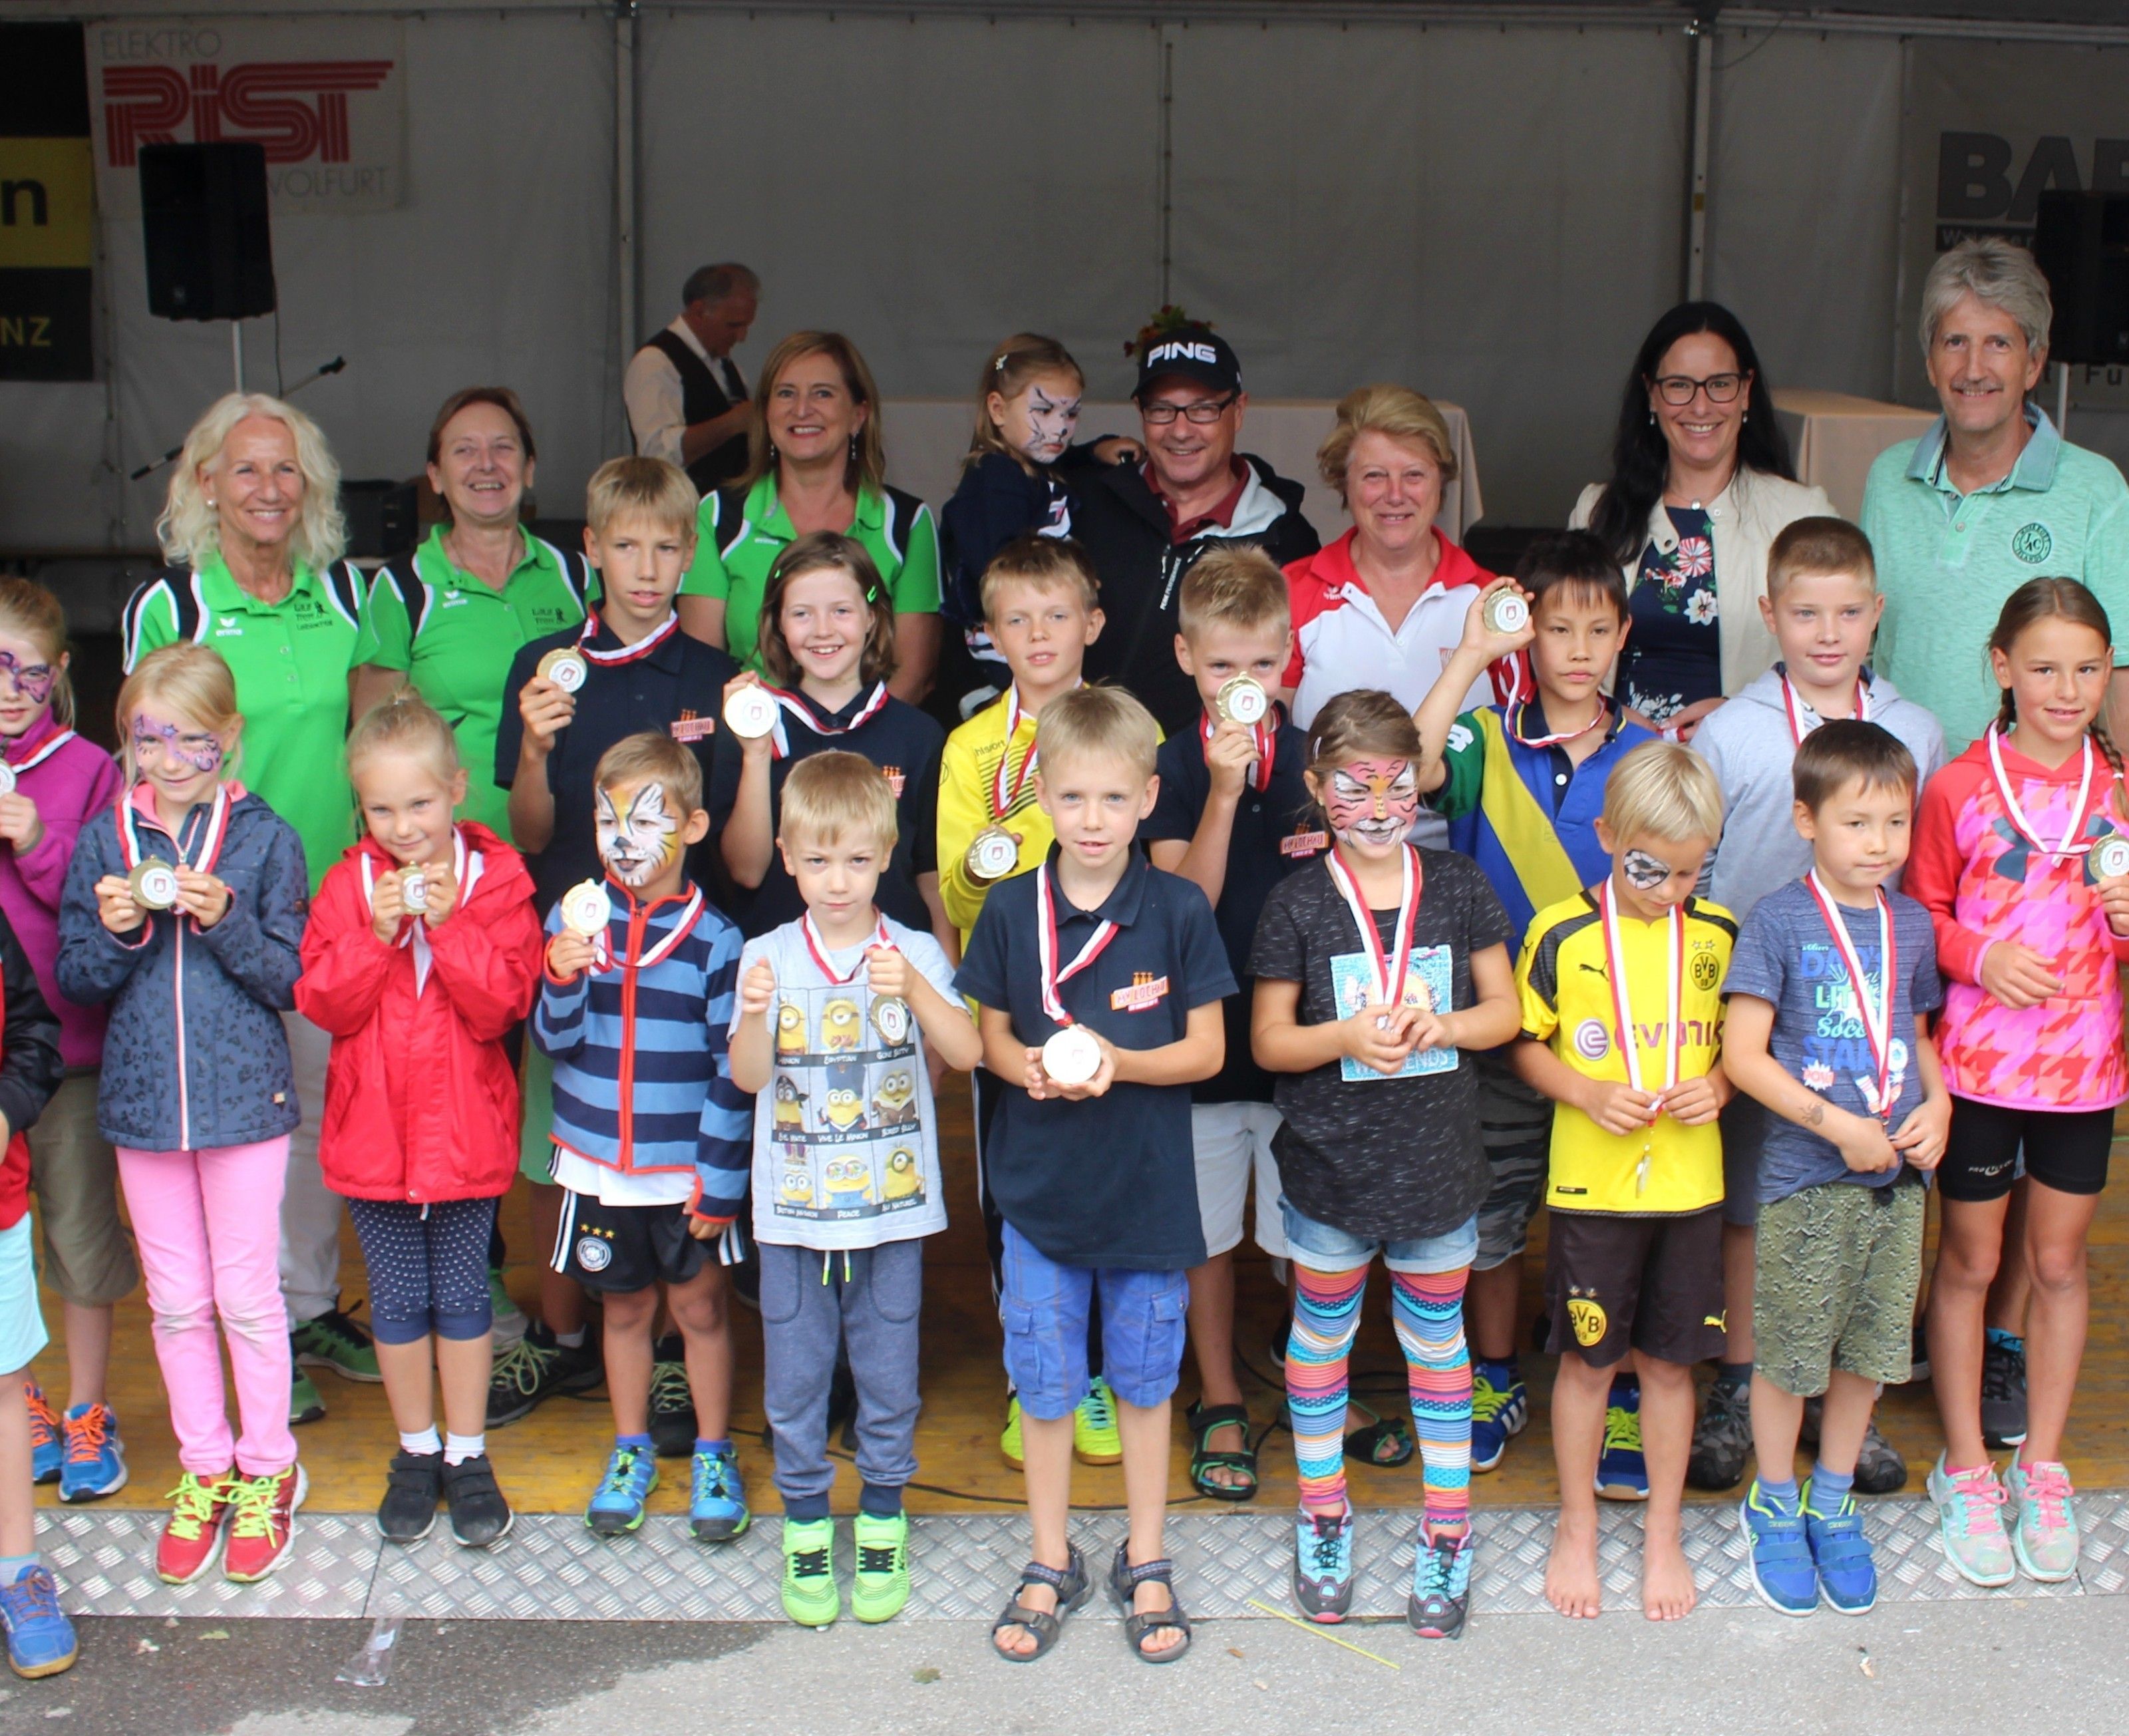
pixel 998 363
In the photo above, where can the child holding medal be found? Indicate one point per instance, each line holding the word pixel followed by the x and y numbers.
pixel 2019 858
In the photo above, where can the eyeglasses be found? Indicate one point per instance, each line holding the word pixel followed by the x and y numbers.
pixel 1677 390
pixel 1205 410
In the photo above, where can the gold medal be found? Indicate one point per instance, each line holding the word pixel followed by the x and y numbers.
pixel 586 908
pixel 1242 700
pixel 2110 856
pixel 993 855
pixel 890 1017
pixel 414 891
pixel 1505 613
pixel 154 885
pixel 565 667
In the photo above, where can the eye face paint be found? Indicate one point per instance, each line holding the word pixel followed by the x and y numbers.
pixel 1644 872
pixel 189 751
pixel 635 846
pixel 1045 422
pixel 1372 801
pixel 32 681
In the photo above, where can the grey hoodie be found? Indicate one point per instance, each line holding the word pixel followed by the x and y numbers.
pixel 1748 744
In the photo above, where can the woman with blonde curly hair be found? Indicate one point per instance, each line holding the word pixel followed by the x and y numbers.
pixel 253 532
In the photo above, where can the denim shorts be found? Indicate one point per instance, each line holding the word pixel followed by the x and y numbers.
pixel 1323 1249
pixel 1045 1308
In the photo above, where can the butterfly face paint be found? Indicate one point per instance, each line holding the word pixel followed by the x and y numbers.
pixel 160 745
pixel 1372 803
pixel 1039 422
pixel 30 681
pixel 638 845
pixel 1644 872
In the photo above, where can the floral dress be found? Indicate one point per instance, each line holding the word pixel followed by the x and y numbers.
pixel 1674 654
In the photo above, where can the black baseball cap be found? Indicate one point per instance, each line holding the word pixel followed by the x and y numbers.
pixel 1195 353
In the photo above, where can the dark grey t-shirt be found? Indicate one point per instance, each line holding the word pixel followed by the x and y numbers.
pixel 1395 1158
pixel 1785 955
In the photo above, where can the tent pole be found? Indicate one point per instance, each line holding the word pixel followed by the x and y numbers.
pixel 624 189
pixel 1702 31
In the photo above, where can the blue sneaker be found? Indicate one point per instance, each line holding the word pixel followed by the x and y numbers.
pixel 1440 1597
pixel 1323 1566
pixel 40 1639
pixel 1847 1572
pixel 617 1506
pixel 95 1464
pixel 1623 1473
pixel 1500 1407
pixel 47 1446
pixel 716 1498
pixel 1782 1570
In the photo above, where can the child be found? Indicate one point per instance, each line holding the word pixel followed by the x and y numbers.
pixel 1633 1255
pixel 1092 1169
pixel 184 909
pixel 641 671
pixel 59 783
pixel 649 1132
pixel 1823 607
pixel 845 1171
pixel 1233 817
pixel 40 1640
pixel 421 954
pixel 826 639
pixel 1829 988
pixel 1522 785
pixel 1380 970
pixel 2015 863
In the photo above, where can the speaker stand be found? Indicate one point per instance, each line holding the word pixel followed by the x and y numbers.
pixel 2062 401
pixel 237 350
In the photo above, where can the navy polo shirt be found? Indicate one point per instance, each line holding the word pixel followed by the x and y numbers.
pixel 679 688
pixel 905 744
pixel 1108 1181
pixel 1275 831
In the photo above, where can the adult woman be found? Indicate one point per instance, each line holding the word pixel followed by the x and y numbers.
pixel 253 530
pixel 1701 484
pixel 449 618
pixel 817 462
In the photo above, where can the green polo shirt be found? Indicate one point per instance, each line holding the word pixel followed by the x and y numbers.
pixel 740 537
pixel 455 635
pixel 291 659
pixel 1947 562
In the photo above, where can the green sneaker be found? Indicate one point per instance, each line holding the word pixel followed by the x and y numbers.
pixel 334 1341
pixel 882 1586
pixel 1095 1440
pixel 304 1403
pixel 1009 1442
pixel 810 1597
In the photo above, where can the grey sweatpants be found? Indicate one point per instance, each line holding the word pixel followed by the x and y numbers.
pixel 870 1300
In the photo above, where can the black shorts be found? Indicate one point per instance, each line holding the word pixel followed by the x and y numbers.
pixel 1653 1284
pixel 621 1249
pixel 2065 1149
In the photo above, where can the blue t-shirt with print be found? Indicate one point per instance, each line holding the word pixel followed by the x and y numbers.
pixel 1786 955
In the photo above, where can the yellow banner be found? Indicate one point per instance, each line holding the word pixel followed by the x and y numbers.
pixel 47 204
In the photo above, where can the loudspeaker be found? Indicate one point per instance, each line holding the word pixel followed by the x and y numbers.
pixel 203 219
pixel 2081 243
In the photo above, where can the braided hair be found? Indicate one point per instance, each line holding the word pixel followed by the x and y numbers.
pixel 2042 599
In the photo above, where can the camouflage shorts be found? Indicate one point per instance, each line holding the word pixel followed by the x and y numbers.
pixel 1838 1266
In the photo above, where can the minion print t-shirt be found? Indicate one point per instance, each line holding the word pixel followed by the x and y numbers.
pixel 846 1140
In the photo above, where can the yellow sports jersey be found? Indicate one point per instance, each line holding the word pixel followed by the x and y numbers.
pixel 1565 986
pixel 967 770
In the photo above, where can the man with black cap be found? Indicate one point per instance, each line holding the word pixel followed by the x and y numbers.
pixel 1145 525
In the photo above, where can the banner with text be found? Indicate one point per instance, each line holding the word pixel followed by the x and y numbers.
pixel 47 206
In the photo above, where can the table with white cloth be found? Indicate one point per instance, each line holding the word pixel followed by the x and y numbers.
pixel 1835 438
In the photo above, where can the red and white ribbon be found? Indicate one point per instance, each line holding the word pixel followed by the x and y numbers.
pixel 1877 1016
pixel 689 915
pixel 1003 798
pixel 802 707
pixel 819 948
pixel 1516 715
pixel 2069 846
pixel 467 867
pixel 621 654
pixel 43 753
pixel 1046 945
pixel 207 847
pixel 1622 1009
pixel 1390 968
pixel 1798 712
pixel 1264 745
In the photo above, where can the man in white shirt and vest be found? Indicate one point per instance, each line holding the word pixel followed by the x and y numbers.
pixel 686 403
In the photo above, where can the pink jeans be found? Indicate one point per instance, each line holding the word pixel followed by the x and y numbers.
pixel 209 1226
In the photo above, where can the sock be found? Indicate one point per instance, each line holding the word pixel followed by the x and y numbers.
pixel 1427 1310
pixel 458 1448
pixel 642 1442
pixel 571 1340
pixel 722 1448
pixel 1733 1374
pixel 880 1500
pixel 803 1509
pixel 428 1441
pixel 1326 1315
pixel 2004 1340
pixel 1829 1488
pixel 1625 1392
pixel 13 1567
pixel 1781 1496
pixel 1501 1372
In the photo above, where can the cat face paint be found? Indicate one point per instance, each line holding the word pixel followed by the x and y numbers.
pixel 1039 422
pixel 32 681
pixel 158 744
pixel 637 845
pixel 1644 872
pixel 1372 803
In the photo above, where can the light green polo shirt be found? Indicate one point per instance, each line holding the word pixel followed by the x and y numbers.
pixel 739 540
pixel 455 635
pixel 1947 562
pixel 291 661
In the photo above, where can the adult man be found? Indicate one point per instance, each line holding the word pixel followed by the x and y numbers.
pixel 1992 496
pixel 1145 526
pixel 686 403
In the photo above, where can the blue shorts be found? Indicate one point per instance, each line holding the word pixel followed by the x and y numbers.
pixel 1045 1308
pixel 1323 1249
pixel 22 1319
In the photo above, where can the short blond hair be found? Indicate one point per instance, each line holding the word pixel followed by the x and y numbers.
pixel 655 757
pixel 1396 410
pixel 1047 563
pixel 1812 547
pixel 190 679
pixel 1235 586
pixel 640 488
pixel 1104 721
pixel 829 796
pixel 1663 790
pixel 403 721
pixel 188 529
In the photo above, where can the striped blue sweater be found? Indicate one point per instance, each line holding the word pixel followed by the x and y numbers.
pixel 642 1082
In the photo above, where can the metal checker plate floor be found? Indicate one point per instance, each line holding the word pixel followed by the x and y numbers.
pixel 550 1567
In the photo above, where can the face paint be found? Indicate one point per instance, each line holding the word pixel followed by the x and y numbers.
pixel 635 846
pixel 32 681
pixel 1372 801
pixel 189 751
pixel 1644 872
pixel 1038 423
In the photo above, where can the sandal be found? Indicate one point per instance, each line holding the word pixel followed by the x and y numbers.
pixel 1071 1587
pixel 1203 1419
pixel 1124 1580
pixel 1384 1442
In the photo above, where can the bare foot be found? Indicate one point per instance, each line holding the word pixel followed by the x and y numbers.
pixel 1667 1588
pixel 1017 1641
pixel 1571 1585
pixel 1150 1598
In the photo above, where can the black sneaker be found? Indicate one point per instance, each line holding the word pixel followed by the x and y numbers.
pixel 1918 1361
pixel 407 1513
pixel 1723 1440
pixel 672 1400
pixel 534 1369
pixel 480 1514
pixel 1879 1469
pixel 2002 1394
